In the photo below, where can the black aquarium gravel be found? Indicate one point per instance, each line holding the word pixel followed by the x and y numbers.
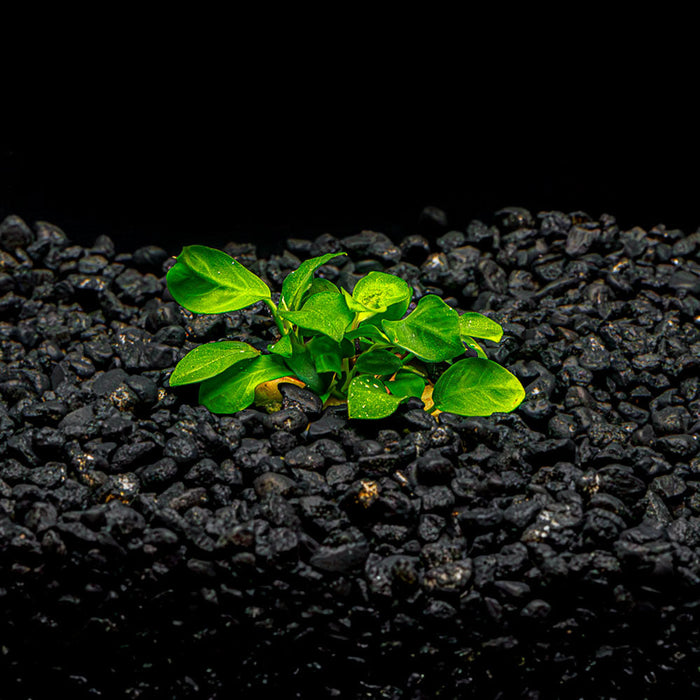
pixel 150 549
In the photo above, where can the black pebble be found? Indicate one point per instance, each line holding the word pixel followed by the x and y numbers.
pixel 303 553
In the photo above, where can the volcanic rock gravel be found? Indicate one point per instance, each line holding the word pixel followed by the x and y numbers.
pixel 150 549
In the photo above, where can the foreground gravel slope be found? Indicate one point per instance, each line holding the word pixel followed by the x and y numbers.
pixel 151 549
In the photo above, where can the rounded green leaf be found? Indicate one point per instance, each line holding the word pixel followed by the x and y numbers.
pixel 328 362
pixel 326 353
pixel 473 345
pixel 283 346
pixel 347 348
pixel 378 291
pixel 318 284
pixel 325 312
pixel 234 389
pixel 303 367
pixel 430 331
pixel 476 325
pixel 209 360
pixel 208 281
pixel 406 384
pixel 477 387
pixel 369 332
pixel 368 398
pixel 353 304
pixel 379 294
pixel 296 283
pixel 378 361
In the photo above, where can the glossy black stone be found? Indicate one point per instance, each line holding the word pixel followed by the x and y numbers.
pixel 303 554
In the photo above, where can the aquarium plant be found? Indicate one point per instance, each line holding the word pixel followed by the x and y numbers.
pixel 362 347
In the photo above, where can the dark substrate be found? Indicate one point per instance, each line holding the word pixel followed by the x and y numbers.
pixel 151 549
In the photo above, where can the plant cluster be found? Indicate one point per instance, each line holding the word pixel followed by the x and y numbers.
pixel 362 348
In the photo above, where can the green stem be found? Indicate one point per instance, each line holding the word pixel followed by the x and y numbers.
pixel 350 373
pixel 332 384
pixel 345 366
pixel 407 358
pixel 283 326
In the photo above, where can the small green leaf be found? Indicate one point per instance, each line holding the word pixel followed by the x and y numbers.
pixel 367 398
pixel 473 345
pixel 477 387
pixel 352 303
pixel 406 384
pixel 367 331
pixel 234 389
pixel 328 362
pixel 430 331
pixel 477 325
pixel 296 283
pixel 347 348
pixel 209 360
pixel 378 296
pixel 378 361
pixel 282 347
pixel 205 280
pixel 380 292
pixel 303 367
pixel 325 312
pixel 318 284
pixel 326 354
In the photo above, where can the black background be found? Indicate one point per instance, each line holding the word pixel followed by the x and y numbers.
pixel 195 128
pixel 262 174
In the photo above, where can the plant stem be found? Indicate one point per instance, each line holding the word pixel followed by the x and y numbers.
pixel 332 384
pixel 350 373
pixel 345 366
pixel 282 325
pixel 416 370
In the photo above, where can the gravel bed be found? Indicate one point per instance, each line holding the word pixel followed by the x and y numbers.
pixel 150 549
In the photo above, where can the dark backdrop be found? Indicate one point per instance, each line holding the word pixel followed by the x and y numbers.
pixel 255 182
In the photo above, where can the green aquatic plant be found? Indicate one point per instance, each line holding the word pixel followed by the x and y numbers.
pixel 362 348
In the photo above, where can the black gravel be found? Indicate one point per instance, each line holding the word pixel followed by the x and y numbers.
pixel 150 549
